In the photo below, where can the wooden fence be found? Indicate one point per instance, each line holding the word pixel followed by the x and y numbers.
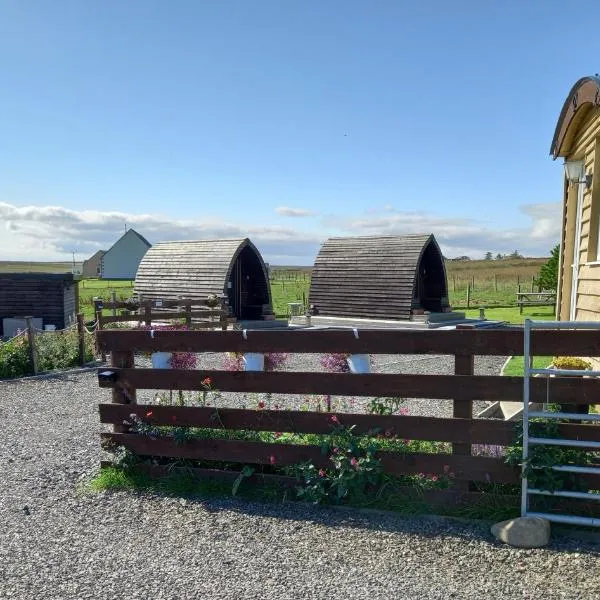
pixel 461 430
pixel 195 313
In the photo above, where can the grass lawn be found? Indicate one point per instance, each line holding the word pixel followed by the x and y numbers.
pixel 102 288
pixel 511 315
pixel 514 367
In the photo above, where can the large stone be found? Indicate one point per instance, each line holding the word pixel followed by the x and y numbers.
pixel 523 532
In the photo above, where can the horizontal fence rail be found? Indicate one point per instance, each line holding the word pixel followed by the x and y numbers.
pixel 476 431
pixel 440 387
pixel 498 342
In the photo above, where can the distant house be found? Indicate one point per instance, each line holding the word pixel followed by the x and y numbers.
pixel 92 267
pixel 577 141
pixel 122 259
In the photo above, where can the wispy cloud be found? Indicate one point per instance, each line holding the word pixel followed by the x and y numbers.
pixel 286 211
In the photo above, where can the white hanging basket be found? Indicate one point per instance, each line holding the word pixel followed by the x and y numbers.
pixel 359 363
pixel 254 361
pixel 161 360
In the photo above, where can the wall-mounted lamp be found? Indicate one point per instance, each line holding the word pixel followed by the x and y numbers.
pixel 575 173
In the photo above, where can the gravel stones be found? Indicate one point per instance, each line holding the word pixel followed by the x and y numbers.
pixel 58 541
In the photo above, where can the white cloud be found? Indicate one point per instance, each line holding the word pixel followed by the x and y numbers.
pixel 53 232
pixel 286 211
pixel 466 236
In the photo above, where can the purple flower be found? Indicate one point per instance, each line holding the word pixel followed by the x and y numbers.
pixel 335 363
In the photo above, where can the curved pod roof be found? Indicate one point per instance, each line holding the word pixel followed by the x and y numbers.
pixel 379 277
pixel 583 97
pixel 196 269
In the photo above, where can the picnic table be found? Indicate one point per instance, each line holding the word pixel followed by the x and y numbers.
pixel 535 299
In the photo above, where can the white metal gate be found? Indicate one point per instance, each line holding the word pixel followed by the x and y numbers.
pixel 531 440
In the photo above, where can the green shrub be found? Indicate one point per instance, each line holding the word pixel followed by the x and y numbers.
pixel 14 358
pixel 59 350
pixel 570 362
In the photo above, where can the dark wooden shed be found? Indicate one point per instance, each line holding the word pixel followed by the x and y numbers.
pixel 48 296
pixel 197 269
pixel 379 277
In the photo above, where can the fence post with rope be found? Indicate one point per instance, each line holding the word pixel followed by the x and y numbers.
pixel 32 348
pixel 81 338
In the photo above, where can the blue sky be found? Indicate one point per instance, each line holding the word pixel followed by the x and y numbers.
pixel 285 121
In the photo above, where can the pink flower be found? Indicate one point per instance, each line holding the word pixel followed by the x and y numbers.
pixel 261 404
pixel 322 473
pixel 278 434
pixel 354 462
pixel 206 381
pixel 388 433
pixel 403 411
pixel 149 413
pixel 335 363
pixel 336 450
pixel 272 459
pixel 334 419
pixel 434 478
pixel 446 469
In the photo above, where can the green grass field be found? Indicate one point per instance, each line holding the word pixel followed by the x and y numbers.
pixel 37 267
pixel 101 288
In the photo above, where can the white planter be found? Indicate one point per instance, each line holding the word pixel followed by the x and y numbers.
pixel 254 361
pixel 359 363
pixel 161 360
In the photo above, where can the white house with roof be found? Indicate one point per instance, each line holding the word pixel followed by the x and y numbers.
pixel 122 259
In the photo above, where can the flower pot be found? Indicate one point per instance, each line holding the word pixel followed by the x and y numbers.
pixel 580 409
pixel 254 361
pixel 161 360
pixel 359 363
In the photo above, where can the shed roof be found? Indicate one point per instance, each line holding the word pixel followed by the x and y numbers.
pixel 189 269
pixel 371 276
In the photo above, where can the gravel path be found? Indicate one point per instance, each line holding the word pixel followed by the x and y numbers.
pixel 59 542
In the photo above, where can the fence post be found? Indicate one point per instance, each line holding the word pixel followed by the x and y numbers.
pixel 533 283
pixel 122 394
pixel 81 338
pixel 99 327
pixel 148 313
pixel 188 314
pixel 468 294
pixel 472 282
pixel 113 299
pixel 453 283
pixel 495 282
pixel 463 365
pixel 32 349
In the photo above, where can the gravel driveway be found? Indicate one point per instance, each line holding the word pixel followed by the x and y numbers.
pixel 59 542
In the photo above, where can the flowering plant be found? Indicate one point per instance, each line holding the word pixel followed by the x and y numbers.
pixel 354 467
pixel 335 363
pixel 179 360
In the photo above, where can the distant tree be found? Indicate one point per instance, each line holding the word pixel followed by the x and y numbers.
pixel 488 256
pixel 515 254
pixel 499 256
pixel 548 278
